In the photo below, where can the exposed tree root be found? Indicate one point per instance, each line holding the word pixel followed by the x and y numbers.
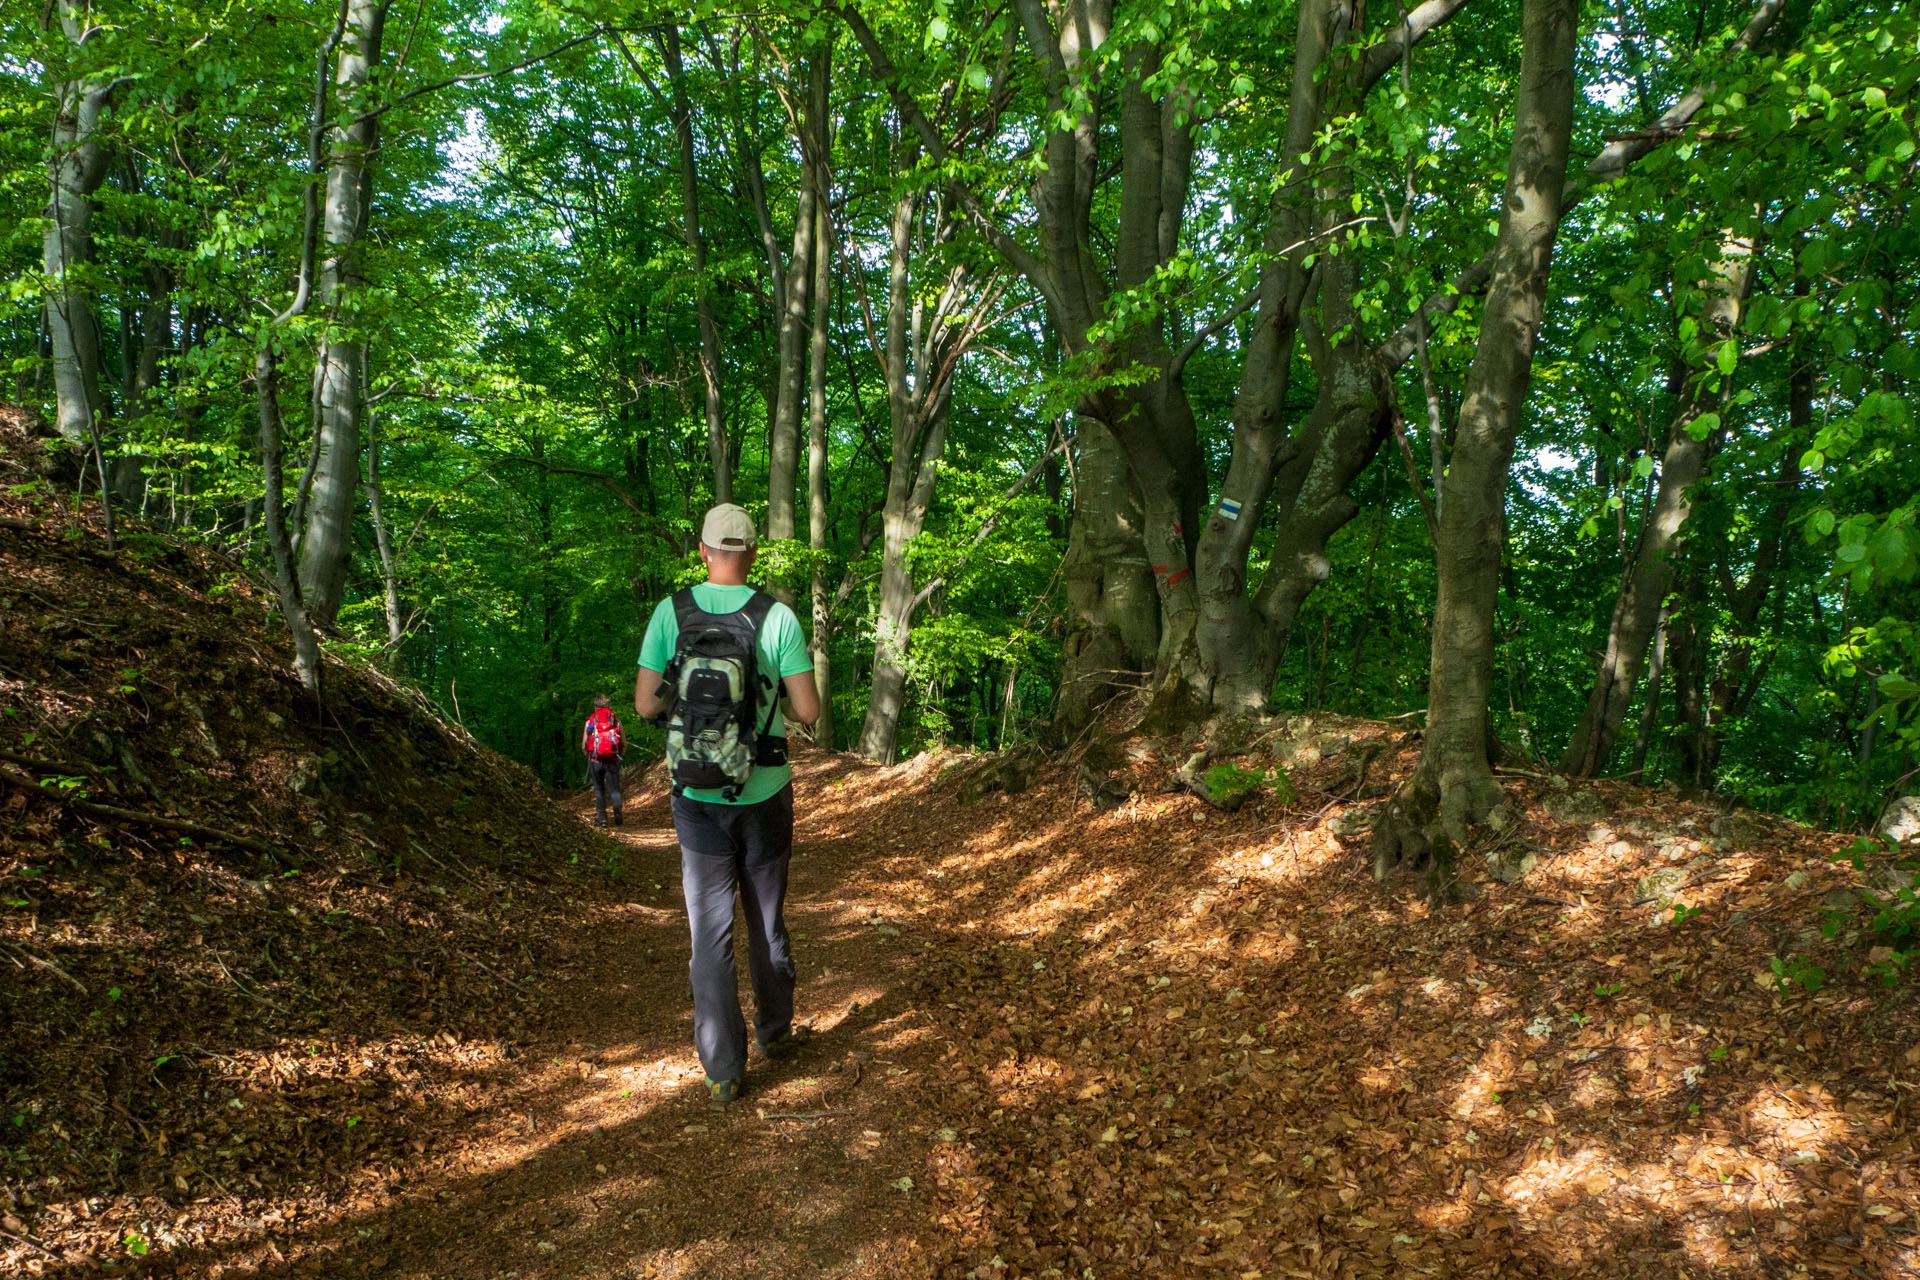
pixel 146 819
pixel 1428 820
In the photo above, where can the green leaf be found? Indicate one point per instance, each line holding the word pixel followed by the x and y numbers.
pixel 1727 357
pixel 1896 687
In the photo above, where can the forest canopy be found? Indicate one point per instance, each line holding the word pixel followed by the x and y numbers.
pixel 1547 368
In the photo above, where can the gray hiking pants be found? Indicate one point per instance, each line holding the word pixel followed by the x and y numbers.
pixel 744 849
pixel 605 777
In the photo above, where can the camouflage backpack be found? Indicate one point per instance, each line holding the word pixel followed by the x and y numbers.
pixel 715 735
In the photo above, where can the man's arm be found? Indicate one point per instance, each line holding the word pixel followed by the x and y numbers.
pixel 803 700
pixel 646 693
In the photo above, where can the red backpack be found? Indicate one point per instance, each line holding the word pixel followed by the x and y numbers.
pixel 604 733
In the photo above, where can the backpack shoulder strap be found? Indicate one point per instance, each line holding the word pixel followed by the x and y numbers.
pixel 756 609
pixel 684 609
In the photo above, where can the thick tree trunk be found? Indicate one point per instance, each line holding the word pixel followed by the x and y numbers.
pixel 1112 612
pixel 718 456
pixel 76 166
pixel 909 489
pixel 821 643
pixel 1636 609
pixel 326 541
pixel 1453 785
pixel 286 580
pixel 783 444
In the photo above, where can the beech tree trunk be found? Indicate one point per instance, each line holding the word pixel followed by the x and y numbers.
pixel 383 542
pixel 911 470
pixel 783 444
pixel 718 456
pixel 1453 785
pixel 821 643
pixel 326 540
pixel 1690 442
pixel 307 663
pixel 1112 610
pixel 76 166
pixel 928 332
pixel 1650 705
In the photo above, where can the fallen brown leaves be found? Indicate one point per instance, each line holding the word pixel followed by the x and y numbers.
pixel 1177 1043
pixel 1151 1040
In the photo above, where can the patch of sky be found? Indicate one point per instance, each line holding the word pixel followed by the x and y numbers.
pixel 467 154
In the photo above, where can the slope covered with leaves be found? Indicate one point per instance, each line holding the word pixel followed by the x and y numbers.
pixel 231 924
pixel 1167 1041
pixel 337 995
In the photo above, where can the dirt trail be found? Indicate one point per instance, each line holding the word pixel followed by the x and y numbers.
pixel 1059 1041
pixel 612 1162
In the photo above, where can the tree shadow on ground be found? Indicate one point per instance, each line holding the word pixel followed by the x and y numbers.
pixel 595 1152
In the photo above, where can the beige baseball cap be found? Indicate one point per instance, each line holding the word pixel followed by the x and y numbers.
pixel 729 528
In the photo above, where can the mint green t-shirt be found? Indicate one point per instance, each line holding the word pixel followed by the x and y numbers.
pixel 782 653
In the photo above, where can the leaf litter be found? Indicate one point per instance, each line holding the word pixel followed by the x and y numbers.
pixel 1051 1039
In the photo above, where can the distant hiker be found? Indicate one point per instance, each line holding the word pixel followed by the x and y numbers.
pixel 605 747
pixel 711 667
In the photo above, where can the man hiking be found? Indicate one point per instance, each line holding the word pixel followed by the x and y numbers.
pixel 605 748
pixel 712 666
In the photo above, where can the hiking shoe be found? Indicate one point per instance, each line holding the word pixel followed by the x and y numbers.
pixel 617 821
pixel 786 1042
pixel 723 1090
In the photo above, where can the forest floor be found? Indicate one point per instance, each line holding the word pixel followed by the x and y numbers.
pixel 387 1011
pixel 1158 1040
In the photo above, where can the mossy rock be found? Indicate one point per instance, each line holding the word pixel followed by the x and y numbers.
pixel 1010 772
pixel 1576 807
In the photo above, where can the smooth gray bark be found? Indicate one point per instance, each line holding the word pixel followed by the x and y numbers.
pixel 821 642
pixel 76 166
pixel 783 444
pixel 1643 589
pixel 326 537
pixel 383 542
pixel 307 662
pixel 911 468
pixel 925 340
pixel 1112 609
pixel 718 456
pixel 1453 785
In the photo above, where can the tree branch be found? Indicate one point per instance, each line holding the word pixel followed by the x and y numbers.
pixel 1611 163
pixel 1380 57
pixel 1614 159
pixel 474 77
pixel 1023 259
